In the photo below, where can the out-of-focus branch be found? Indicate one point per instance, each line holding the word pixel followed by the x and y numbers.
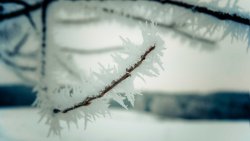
pixel 16 53
pixel 113 84
pixel 18 46
pixel 24 78
pixel 45 5
pixel 15 65
pixel 68 68
pixel 173 26
pixel 25 5
pixel 17 50
pixel 78 21
pixel 90 51
pixel 23 11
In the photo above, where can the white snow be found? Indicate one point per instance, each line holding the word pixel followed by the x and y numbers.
pixel 20 124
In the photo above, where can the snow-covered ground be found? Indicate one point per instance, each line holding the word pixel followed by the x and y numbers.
pixel 21 124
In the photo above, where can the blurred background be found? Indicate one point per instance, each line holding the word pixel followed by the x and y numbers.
pixel 202 95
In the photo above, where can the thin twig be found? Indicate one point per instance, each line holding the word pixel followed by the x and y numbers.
pixel 113 84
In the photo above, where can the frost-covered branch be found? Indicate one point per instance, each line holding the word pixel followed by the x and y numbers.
pixel 67 89
pixel 221 15
pixel 175 27
pixel 114 83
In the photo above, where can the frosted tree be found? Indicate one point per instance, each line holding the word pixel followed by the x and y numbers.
pixel 66 93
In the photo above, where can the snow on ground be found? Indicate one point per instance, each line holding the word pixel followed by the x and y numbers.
pixel 20 124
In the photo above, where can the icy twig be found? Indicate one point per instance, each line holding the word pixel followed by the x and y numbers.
pixel 114 83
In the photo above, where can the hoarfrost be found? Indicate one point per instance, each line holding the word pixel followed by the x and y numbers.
pixel 67 94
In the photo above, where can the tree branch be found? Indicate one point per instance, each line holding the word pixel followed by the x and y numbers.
pixel 90 51
pixel 163 25
pixel 21 12
pixel 18 46
pixel 45 5
pixel 109 87
pixel 218 14
pixel 79 21
pixel 39 4
pixel 200 9
pixel 16 66
pixel 25 5
pixel 24 78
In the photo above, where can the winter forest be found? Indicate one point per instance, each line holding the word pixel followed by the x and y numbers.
pixel 146 70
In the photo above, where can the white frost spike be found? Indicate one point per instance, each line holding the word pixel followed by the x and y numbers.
pixel 68 100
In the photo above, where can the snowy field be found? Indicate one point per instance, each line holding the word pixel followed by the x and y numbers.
pixel 21 124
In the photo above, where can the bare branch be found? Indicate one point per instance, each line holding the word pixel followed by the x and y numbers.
pixel 18 46
pixel 24 11
pixel 24 78
pixel 109 87
pixel 25 5
pixel 16 66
